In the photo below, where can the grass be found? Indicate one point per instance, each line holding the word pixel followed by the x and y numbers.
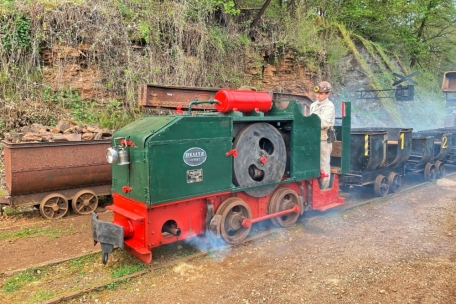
pixel 51 232
pixel 78 265
pixel 127 269
pixel 17 281
pixel 42 295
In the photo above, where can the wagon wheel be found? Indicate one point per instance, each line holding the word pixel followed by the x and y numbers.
pixel 283 199
pixel 429 172
pixel 394 182
pixel 54 206
pixel 84 202
pixel 233 210
pixel 440 168
pixel 381 185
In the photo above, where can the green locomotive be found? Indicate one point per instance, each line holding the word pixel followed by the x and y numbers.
pixel 178 176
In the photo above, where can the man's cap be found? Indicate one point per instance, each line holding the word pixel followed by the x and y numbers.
pixel 323 87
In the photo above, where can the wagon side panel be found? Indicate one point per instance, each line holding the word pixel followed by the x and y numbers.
pixel 42 167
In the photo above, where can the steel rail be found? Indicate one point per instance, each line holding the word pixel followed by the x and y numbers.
pixel 81 292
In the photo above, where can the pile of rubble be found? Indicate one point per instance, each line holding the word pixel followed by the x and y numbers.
pixel 65 130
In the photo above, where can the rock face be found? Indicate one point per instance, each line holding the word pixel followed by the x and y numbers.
pixel 65 130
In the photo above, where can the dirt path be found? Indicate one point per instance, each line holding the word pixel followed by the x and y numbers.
pixel 30 240
pixel 397 250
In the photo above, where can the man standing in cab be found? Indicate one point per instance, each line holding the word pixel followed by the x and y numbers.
pixel 324 108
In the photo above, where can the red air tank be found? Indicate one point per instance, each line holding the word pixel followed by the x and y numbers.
pixel 243 101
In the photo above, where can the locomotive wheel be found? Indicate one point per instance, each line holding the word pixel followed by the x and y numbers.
pixel 84 202
pixel 283 199
pixel 429 172
pixel 233 210
pixel 261 158
pixel 381 185
pixel 54 206
pixel 440 168
pixel 394 182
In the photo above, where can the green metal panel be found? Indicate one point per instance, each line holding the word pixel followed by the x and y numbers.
pixel 198 127
pixel 345 130
pixel 171 178
pixel 305 145
pixel 139 130
pixel 136 174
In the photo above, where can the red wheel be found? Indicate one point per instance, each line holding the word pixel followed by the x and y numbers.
pixel 233 210
pixel 283 199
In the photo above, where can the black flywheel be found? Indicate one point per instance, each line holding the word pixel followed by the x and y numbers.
pixel 261 158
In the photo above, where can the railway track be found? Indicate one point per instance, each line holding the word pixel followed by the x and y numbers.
pixel 75 294
pixel 310 215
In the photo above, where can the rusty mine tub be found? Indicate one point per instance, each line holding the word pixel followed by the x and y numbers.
pixel 50 175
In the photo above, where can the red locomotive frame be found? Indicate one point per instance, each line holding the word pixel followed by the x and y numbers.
pixel 143 226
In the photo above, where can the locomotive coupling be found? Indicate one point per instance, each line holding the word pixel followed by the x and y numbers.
pixel 108 234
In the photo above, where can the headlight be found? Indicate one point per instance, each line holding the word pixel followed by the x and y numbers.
pixel 111 155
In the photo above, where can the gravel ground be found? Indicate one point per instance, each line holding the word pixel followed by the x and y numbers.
pixel 399 249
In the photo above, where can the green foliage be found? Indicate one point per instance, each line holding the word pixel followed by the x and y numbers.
pixel 15 32
pixel 83 111
pixel 203 43
pixel 145 31
pixel 229 6
pixel 6 6
pixel 421 30
pixel 114 115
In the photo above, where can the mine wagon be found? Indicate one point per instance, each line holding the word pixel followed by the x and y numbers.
pixel 451 155
pixel 53 174
pixel 421 159
pixel 378 157
pixel 442 148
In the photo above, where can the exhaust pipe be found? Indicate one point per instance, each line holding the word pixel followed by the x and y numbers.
pixel 171 229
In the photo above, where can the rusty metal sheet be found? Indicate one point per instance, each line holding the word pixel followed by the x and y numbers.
pixel 5 200
pixel 156 96
pixel 38 167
